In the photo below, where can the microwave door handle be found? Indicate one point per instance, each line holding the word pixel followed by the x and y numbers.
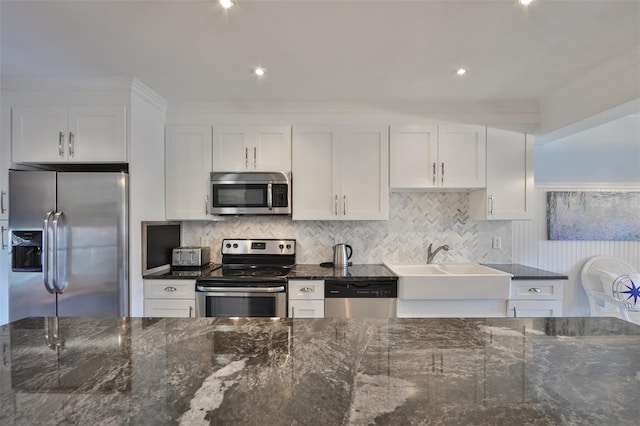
pixel 45 252
pixel 270 196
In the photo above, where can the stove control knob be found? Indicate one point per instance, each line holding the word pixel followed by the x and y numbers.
pixel 228 245
pixel 281 246
pixel 235 245
pixel 288 246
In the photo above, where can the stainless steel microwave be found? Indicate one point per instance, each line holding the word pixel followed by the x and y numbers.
pixel 238 193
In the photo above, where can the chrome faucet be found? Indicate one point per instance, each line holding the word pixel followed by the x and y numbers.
pixel 431 255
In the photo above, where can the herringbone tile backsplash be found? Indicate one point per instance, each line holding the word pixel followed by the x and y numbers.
pixel 415 220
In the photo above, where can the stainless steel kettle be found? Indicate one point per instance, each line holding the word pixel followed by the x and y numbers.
pixel 341 255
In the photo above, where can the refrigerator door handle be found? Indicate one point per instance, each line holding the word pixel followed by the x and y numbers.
pixel 54 281
pixel 45 254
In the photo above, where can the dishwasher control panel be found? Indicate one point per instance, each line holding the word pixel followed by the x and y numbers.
pixel 360 288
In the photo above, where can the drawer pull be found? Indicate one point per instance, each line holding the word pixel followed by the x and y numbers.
pixel 534 290
pixel 170 289
pixel 306 289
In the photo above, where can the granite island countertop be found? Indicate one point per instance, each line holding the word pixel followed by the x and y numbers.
pixel 168 371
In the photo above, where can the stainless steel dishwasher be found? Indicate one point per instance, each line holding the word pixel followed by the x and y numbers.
pixel 360 298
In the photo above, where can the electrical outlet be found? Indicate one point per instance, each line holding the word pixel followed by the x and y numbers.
pixel 497 242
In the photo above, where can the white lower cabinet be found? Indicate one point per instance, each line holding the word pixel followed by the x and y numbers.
pixel 169 298
pixel 535 298
pixel 306 298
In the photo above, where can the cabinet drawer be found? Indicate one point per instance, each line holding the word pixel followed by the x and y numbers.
pixel 170 289
pixel 536 290
pixel 306 309
pixel 306 290
pixel 163 308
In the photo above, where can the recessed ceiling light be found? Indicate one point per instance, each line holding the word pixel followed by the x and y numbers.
pixel 525 2
pixel 460 71
pixel 259 71
pixel 226 3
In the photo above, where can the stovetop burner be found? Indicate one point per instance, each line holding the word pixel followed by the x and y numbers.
pixel 255 271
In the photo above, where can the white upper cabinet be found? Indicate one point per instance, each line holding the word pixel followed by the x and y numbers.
pixel 95 134
pixel 255 148
pixel 509 191
pixel 340 173
pixel 425 157
pixel 188 165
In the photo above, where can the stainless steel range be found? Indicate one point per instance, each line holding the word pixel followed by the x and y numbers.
pixel 252 281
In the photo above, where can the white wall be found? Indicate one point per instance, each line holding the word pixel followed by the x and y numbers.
pixel 146 184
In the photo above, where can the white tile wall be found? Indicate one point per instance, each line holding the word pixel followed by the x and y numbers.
pixel 416 219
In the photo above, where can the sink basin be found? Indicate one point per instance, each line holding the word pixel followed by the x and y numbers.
pixel 468 269
pixel 450 281
pixel 404 270
pixel 442 269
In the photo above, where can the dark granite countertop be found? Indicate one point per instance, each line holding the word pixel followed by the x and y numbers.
pixel 183 272
pixel 521 272
pixel 542 371
pixel 317 272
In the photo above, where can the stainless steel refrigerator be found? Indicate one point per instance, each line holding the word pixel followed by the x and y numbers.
pixel 69 243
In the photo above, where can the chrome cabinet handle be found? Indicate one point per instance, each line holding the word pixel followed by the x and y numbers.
pixel 2 229
pixel 306 289
pixel 515 312
pixel 61 144
pixel 535 290
pixel 190 311
pixel 246 157
pixel 170 289
pixel 434 174
pixel 45 254
pixel 206 204
pixel 255 160
pixel 336 205
pixel 442 174
pixel 491 205
pixel 72 151
pixel 2 208
pixel 54 278
pixel 344 205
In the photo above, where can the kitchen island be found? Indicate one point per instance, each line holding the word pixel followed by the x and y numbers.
pixel 155 371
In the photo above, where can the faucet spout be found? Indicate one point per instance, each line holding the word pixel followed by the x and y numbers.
pixel 431 255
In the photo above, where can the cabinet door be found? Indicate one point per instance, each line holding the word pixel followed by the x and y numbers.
pixel 315 166
pixel 163 308
pixel 306 309
pixel 5 260
pixel 534 308
pixel 188 164
pixel 39 134
pixel 271 149
pixel 97 134
pixel 364 174
pixel 461 156
pixel 413 155
pixel 509 174
pixel 231 149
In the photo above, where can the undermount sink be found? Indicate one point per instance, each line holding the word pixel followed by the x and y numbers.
pixel 452 281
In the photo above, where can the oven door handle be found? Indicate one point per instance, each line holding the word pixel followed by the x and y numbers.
pixel 206 289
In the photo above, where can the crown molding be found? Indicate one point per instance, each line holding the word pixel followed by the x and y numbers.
pixel 149 95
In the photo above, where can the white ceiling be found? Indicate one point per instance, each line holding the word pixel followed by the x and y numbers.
pixel 361 51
